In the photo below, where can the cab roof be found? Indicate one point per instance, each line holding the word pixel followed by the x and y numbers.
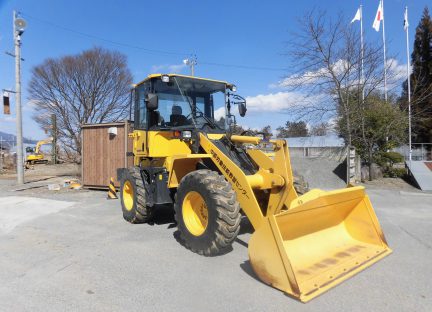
pixel 151 76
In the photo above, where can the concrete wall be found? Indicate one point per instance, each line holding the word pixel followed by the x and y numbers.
pixel 335 153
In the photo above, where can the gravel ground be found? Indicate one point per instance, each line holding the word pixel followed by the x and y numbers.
pixel 320 172
pixel 391 184
pixel 327 174
pixel 44 170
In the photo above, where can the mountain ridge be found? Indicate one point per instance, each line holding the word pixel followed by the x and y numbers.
pixel 11 138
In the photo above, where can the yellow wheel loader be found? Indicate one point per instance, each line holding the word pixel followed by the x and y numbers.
pixel 302 245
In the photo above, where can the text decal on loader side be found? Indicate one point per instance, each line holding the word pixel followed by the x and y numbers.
pixel 229 173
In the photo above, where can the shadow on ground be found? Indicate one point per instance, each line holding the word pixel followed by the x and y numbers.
pixel 341 170
pixel 245 226
pixel 164 214
pixel 247 268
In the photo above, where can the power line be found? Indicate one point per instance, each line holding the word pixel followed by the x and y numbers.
pixel 151 51
pixel 102 39
pixel 244 66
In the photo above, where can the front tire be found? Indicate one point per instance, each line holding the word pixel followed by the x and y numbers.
pixel 207 213
pixel 133 197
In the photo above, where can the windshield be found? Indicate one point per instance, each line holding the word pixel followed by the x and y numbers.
pixel 187 102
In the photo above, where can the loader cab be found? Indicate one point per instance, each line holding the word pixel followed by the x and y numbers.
pixel 167 102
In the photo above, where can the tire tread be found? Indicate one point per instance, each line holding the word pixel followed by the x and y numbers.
pixel 227 211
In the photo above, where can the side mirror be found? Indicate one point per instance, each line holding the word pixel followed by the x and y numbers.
pixel 152 101
pixel 242 109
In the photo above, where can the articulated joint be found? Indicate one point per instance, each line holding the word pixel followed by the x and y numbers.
pixel 264 180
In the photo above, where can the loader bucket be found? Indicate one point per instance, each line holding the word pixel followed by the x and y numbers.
pixel 320 241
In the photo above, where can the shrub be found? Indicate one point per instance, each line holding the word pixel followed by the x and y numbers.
pixel 385 159
pixel 395 172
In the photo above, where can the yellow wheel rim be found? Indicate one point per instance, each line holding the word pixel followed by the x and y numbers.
pixel 128 195
pixel 195 213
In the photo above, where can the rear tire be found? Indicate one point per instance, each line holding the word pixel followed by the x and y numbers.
pixel 207 213
pixel 133 197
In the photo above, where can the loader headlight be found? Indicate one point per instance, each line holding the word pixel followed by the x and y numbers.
pixel 165 78
pixel 186 134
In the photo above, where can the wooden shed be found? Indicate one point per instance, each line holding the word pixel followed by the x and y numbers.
pixel 104 148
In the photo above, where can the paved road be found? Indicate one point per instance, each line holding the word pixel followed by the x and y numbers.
pixel 82 256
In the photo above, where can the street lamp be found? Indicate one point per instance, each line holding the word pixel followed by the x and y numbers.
pixel 19 26
pixel 191 62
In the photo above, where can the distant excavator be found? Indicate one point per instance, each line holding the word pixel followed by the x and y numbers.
pixel 36 157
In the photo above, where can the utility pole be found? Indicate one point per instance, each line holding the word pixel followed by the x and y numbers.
pixel 18 29
pixel 191 62
pixel 1 153
pixel 54 136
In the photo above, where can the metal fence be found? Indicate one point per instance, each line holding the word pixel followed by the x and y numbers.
pixel 420 151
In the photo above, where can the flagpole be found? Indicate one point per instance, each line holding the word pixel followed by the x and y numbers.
pixel 385 57
pixel 409 85
pixel 361 52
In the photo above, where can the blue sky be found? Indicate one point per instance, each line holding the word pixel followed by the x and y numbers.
pixel 249 33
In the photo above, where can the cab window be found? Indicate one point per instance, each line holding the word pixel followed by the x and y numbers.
pixel 141 109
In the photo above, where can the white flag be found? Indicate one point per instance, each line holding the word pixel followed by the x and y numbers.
pixel 379 17
pixel 357 16
pixel 406 19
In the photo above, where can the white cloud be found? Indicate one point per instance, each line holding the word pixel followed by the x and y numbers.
pixel 156 68
pixel 397 73
pixel 30 106
pixel 176 68
pixel 169 68
pixel 311 77
pixel 218 113
pixel 276 102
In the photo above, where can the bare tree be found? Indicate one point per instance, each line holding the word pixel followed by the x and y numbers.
pixel 327 58
pixel 327 70
pixel 91 87
pixel 320 129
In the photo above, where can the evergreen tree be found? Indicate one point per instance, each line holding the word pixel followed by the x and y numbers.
pixel 293 129
pixel 380 126
pixel 421 81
